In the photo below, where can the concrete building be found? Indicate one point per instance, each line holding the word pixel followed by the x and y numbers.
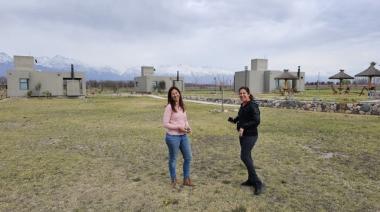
pixel 261 80
pixel 148 82
pixel 23 78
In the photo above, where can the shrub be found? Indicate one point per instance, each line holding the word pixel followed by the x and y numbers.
pixel 161 86
pixel 46 94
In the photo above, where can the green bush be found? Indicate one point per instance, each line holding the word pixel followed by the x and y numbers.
pixel 46 94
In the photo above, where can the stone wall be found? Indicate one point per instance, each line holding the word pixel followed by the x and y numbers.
pixel 319 106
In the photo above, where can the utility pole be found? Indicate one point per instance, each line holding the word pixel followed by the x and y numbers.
pixel 318 83
pixel 246 75
pixel 215 83
pixel 222 94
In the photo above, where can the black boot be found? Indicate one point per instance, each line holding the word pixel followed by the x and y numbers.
pixel 247 183
pixel 260 188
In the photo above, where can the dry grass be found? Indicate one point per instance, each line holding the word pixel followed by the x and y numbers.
pixel 324 94
pixel 108 153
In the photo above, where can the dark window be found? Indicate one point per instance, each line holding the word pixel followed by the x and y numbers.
pixel 24 84
pixel 64 87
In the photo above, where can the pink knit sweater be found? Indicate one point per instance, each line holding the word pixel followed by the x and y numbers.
pixel 174 120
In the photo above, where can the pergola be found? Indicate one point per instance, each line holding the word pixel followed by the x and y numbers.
pixel 370 72
pixel 285 76
pixel 341 76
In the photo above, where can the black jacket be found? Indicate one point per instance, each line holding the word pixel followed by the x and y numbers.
pixel 248 118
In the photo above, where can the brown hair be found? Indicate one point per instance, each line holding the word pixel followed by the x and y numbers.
pixel 171 100
pixel 247 90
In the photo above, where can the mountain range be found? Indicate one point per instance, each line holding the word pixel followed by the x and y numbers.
pixel 61 63
pixel 200 75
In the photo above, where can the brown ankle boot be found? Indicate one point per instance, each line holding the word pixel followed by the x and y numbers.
pixel 187 182
pixel 174 183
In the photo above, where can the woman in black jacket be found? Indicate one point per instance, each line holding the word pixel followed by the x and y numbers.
pixel 247 121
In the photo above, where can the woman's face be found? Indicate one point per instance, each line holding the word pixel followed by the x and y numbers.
pixel 244 96
pixel 175 95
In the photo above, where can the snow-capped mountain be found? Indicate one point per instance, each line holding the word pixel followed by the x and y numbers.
pixel 4 58
pixel 56 62
pixel 61 63
pixel 193 74
pixel 6 62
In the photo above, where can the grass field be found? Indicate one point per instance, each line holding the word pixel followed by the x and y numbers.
pixel 109 154
pixel 324 94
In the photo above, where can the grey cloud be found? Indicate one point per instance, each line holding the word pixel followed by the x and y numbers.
pixel 201 32
pixel 146 17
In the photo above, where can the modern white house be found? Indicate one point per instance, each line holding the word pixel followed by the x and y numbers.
pixel 24 80
pixel 148 82
pixel 261 80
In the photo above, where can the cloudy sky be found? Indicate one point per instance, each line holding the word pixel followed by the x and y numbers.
pixel 320 35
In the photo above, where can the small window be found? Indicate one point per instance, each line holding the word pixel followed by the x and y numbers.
pixel 24 84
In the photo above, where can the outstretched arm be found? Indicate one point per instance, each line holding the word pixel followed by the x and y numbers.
pixel 233 120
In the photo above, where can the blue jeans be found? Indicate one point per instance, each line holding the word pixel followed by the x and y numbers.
pixel 175 143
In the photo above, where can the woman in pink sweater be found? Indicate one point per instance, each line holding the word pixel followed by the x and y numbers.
pixel 177 127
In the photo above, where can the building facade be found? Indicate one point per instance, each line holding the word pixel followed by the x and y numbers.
pixel 261 80
pixel 148 82
pixel 24 80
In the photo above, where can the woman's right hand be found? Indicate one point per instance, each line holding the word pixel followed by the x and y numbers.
pixel 241 131
pixel 182 129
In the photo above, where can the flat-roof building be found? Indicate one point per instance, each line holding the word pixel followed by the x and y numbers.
pixel 23 80
pixel 261 80
pixel 148 82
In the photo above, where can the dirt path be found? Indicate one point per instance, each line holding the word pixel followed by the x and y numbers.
pixel 195 101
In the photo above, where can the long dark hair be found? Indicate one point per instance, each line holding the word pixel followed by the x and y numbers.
pixel 247 90
pixel 171 100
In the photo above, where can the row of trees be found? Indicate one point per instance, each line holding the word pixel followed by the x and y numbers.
pixel 161 85
pixel 336 82
pixel 109 84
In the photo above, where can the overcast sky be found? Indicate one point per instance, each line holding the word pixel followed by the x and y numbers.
pixel 320 35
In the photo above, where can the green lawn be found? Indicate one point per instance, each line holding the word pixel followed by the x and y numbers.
pixel 108 153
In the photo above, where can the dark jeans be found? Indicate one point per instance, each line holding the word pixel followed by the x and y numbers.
pixel 246 144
